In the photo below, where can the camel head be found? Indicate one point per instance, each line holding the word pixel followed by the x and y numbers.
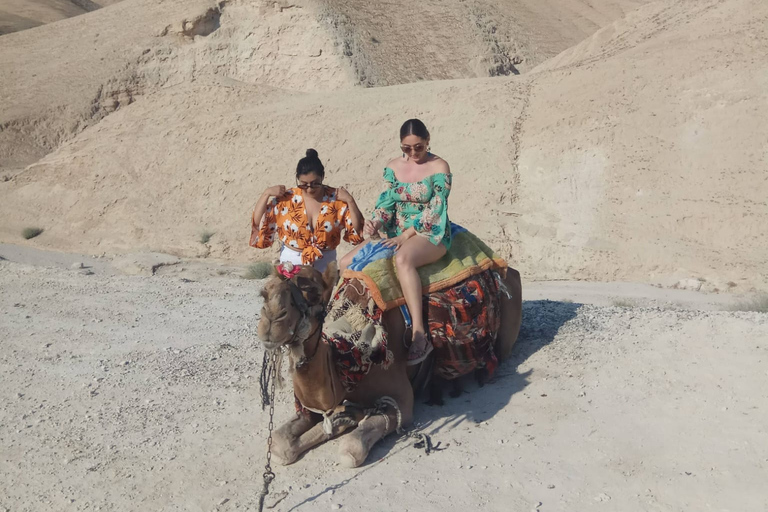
pixel 294 304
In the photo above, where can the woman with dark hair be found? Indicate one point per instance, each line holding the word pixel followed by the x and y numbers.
pixel 308 220
pixel 413 212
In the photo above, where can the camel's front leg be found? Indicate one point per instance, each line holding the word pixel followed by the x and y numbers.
pixel 286 440
pixel 355 446
pixel 303 433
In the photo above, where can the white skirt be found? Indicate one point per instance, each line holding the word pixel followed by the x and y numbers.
pixel 295 257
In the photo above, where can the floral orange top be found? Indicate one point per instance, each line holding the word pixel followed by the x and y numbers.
pixel 287 220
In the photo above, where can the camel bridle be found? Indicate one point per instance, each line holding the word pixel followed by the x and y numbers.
pixel 305 311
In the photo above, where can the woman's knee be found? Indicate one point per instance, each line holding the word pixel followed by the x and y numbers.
pixel 403 260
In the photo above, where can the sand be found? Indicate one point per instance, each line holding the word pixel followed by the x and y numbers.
pixel 614 151
pixel 635 155
pixel 141 393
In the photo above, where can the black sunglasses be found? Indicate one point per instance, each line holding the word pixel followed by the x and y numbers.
pixel 305 186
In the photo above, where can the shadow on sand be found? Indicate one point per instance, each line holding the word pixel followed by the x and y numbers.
pixel 542 319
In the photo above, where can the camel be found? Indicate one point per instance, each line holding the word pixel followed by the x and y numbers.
pixel 292 320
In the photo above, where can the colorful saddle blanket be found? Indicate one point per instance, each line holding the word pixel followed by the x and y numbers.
pixel 468 256
pixel 463 322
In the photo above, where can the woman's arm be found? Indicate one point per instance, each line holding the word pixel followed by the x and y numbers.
pixel 261 204
pixel 383 214
pixel 433 223
pixel 261 232
pixel 354 212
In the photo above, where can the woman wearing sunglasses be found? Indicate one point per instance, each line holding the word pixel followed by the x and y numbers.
pixel 413 212
pixel 309 219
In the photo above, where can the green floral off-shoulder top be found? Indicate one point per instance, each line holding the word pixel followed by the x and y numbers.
pixel 422 205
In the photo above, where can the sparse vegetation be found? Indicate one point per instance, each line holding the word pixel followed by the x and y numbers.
pixel 625 303
pixel 28 233
pixel 260 270
pixel 758 303
pixel 205 236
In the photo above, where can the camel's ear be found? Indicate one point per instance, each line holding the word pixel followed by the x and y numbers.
pixel 330 278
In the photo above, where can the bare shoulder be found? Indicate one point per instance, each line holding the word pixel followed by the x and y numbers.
pixel 439 166
pixel 395 164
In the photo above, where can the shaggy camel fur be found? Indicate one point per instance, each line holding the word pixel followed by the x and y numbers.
pixel 316 383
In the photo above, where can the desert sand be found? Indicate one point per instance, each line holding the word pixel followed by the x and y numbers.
pixel 614 151
pixel 130 392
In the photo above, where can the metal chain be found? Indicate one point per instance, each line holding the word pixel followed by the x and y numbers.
pixel 269 475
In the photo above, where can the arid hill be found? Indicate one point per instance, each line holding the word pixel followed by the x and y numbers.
pixel 18 15
pixel 635 154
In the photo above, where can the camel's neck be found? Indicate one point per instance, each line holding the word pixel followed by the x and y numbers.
pixel 315 381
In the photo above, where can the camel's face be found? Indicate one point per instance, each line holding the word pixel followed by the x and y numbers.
pixel 282 320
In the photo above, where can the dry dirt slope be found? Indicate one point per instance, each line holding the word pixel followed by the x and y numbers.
pixel 18 15
pixel 650 137
pixel 128 393
pixel 63 78
pixel 639 154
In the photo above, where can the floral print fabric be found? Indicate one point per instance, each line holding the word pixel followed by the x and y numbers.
pixel 287 220
pixel 422 205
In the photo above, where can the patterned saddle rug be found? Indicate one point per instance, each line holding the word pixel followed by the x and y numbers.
pixel 463 323
pixel 468 256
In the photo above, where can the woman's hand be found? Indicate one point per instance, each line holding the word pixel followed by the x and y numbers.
pixel 343 195
pixel 276 191
pixel 371 227
pixel 395 242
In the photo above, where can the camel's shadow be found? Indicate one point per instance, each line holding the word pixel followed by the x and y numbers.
pixel 542 319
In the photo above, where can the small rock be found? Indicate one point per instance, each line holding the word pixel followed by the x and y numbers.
pixel 222 502
pixel 602 497
pixel 335 506
pixel 550 486
pixel 78 265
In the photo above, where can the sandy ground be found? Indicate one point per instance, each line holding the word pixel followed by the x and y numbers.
pixel 129 392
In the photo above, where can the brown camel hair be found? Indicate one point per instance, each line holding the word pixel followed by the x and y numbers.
pixel 316 383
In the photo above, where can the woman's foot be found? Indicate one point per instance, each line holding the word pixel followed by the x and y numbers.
pixel 419 349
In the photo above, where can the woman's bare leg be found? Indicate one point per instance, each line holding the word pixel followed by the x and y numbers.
pixel 414 253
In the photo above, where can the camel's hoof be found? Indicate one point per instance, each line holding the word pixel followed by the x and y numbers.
pixel 283 460
pixel 284 456
pixel 351 454
pixel 481 376
pixel 348 461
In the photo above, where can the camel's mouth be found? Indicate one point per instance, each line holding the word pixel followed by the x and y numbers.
pixel 273 343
